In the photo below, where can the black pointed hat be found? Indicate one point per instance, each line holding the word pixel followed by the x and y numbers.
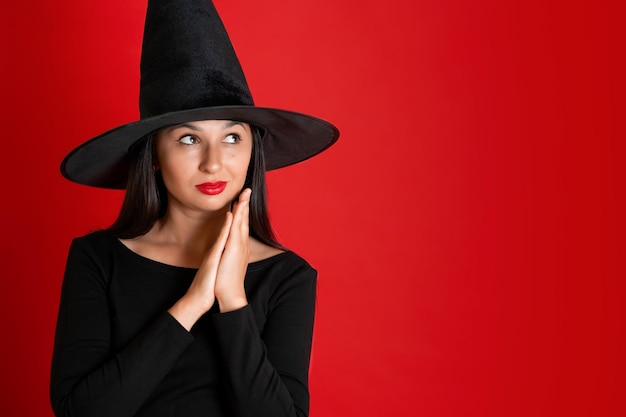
pixel 190 72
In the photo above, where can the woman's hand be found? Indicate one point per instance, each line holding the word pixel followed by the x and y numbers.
pixel 229 284
pixel 221 274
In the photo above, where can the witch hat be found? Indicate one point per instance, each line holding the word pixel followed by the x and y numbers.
pixel 190 72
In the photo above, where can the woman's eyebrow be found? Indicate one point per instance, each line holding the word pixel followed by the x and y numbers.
pixel 232 123
pixel 226 125
pixel 186 125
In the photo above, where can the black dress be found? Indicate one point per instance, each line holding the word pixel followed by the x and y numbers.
pixel 119 353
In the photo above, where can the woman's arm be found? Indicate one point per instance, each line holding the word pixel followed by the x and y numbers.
pixel 88 379
pixel 267 373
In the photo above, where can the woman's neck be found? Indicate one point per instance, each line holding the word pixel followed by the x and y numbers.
pixel 183 239
pixel 190 232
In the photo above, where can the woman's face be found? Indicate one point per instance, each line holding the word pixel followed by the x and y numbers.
pixel 204 164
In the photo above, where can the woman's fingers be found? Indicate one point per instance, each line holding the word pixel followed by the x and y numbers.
pixel 218 247
pixel 229 287
pixel 221 274
pixel 245 215
pixel 211 262
pixel 241 211
pixel 201 292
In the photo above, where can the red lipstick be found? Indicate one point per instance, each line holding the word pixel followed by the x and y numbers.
pixel 211 188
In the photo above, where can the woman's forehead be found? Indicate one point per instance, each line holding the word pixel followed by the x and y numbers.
pixel 212 124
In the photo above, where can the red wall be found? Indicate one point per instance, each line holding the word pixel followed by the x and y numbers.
pixel 468 226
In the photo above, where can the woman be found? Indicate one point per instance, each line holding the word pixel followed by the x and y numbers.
pixel 187 305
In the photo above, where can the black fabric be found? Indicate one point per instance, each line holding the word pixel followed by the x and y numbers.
pixel 187 60
pixel 119 353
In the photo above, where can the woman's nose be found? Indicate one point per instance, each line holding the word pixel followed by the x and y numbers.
pixel 212 159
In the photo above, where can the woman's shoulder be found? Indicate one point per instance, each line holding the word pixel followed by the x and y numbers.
pixel 260 251
pixel 281 265
pixel 100 246
pixel 91 258
pixel 98 239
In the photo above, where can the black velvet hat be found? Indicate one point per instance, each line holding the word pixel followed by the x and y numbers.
pixel 190 72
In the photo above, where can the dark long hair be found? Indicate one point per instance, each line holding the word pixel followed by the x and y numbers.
pixel 145 201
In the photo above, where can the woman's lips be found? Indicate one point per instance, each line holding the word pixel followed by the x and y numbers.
pixel 211 188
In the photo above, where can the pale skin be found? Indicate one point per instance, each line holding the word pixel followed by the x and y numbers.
pixel 199 230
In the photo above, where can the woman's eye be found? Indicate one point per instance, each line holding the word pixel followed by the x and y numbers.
pixel 232 138
pixel 188 140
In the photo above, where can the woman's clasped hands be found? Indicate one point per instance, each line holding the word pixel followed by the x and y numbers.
pixel 221 274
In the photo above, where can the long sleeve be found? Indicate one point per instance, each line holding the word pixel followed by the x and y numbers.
pixel 267 372
pixel 88 379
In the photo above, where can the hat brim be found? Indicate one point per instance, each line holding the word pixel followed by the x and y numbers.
pixel 289 138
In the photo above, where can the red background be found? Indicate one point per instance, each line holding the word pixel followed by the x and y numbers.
pixel 468 226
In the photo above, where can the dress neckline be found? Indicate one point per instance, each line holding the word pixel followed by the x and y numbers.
pixel 251 265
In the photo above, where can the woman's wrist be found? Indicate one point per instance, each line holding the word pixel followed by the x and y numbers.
pixel 232 302
pixel 187 312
